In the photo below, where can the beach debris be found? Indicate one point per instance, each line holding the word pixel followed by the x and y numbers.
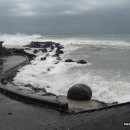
pixel 79 92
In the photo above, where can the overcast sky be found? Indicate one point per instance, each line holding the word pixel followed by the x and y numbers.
pixel 64 16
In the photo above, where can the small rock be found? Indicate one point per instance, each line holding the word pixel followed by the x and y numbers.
pixel 57 62
pixel 48 69
pixel 52 47
pixel 48 87
pixel 69 60
pixel 49 94
pixel 9 113
pixel 35 51
pixel 58 51
pixel 58 58
pixel 55 55
pixel 44 50
pixel 43 58
pixel 4 81
pixel 81 62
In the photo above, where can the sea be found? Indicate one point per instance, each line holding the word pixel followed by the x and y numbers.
pixel 107 71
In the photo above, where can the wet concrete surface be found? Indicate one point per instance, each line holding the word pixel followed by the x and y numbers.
pixel 15 115
pixel 8 62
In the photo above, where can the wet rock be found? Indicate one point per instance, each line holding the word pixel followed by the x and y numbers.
pixel 48 69
pixel 81 62
pixel 28 85
pixel 44 50
pixel 69 60
pixel 39 89
pixel 36 44
pixel 52 47
pixel 27 48
pixel 55 55
pixel 18 51
pixel 9 113
pixel 58 51
pixel 57 62
pixel 30 56
pixel 48 87
pixel 47 54
pixel 58 58
pixel 35 51
pixel 35 89
pixel 50 50
pixel 43 58
pixel 79 92
pixel 49 94
pixel 4 81
pixel 58 46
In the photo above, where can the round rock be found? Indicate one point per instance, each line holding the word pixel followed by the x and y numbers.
pixel 79 92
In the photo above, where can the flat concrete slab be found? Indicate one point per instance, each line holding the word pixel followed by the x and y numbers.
pixel 16 115
pixel 9 62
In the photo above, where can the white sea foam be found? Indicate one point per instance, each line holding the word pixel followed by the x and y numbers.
pixel 63 75
pixel 19 40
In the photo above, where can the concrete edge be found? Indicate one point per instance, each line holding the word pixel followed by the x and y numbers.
pixel 60 106
pixel 14 69
pixel 104 108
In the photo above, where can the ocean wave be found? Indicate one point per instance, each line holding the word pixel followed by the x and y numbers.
pixel 18 40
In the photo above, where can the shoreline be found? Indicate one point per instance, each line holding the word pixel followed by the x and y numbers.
pixel 49 99
pixel 34 117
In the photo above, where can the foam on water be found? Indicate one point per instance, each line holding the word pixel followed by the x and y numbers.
pixel 63 75
pixel 19 40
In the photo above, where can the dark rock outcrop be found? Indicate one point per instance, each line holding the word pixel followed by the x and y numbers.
pixel 81 62
pixel 58 51
pixel 35 51
pixel 43 58
pixel 79 92
pixel 44 50
pixel 36 44
pixel 69 60
pixel 55 55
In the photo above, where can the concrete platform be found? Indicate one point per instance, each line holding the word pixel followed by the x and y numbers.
pixel 15 115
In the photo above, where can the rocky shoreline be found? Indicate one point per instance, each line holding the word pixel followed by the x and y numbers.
pixel 41 94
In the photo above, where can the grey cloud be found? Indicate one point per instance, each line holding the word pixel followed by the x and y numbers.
pixel 64 16
pixel 56 7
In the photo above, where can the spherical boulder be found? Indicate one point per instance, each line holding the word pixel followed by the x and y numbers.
pixel 79 92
